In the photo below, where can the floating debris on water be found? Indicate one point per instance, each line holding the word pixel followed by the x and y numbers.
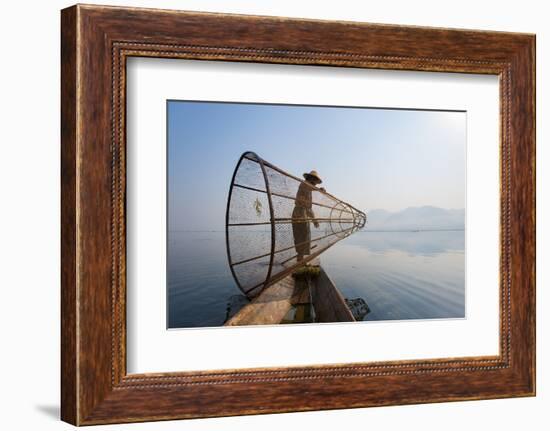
pixel 359 308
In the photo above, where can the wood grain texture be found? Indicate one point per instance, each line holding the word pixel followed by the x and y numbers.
pixel 329 304
pixel 96 41
pixel 270 306
pixel 69 397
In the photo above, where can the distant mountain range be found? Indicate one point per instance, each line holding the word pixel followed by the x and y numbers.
pixel 416 218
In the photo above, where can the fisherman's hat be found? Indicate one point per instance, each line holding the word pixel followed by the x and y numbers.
pixel 313 174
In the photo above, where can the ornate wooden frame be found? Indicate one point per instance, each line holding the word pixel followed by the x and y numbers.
pixel 95 42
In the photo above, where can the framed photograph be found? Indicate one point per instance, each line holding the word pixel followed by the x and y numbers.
pixel 264 215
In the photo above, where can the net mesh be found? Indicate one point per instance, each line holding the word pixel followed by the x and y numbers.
pixel 276 222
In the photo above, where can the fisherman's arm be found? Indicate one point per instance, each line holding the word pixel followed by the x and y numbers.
pixel 310 213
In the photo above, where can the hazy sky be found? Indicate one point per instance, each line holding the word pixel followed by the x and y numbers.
pixel 371 158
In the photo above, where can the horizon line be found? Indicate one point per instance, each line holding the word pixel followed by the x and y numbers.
pixel 451 229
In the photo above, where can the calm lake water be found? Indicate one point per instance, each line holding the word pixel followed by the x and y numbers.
pixel 400 275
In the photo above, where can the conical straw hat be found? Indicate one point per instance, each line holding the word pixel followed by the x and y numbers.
pixel 313 174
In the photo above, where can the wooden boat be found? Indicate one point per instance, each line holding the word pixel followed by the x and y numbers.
pixel 296 299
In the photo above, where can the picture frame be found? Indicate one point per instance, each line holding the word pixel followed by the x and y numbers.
pixel 96 42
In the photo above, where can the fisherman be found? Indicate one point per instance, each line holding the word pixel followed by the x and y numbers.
pixel 303 214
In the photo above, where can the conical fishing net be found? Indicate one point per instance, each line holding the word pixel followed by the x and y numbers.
pixel 276 223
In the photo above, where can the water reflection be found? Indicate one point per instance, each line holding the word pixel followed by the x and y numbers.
pixel 402 275
pixel 412 242
pixel 199 279
pixel 398 275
